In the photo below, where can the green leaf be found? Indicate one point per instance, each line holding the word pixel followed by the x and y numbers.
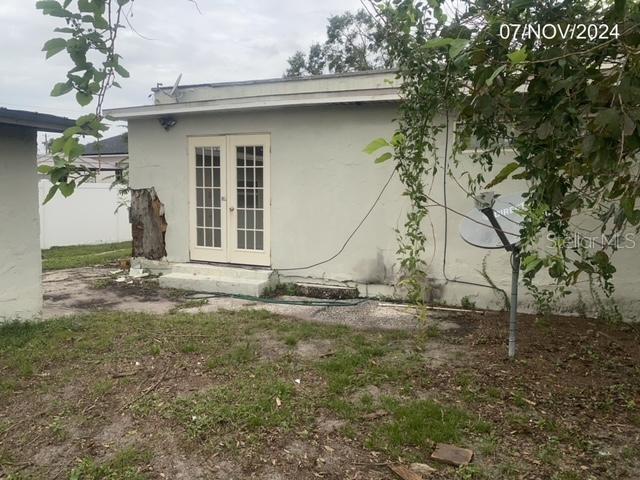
pixel 100 23
pixel 54 46
pixel 44 169
pixel 84 99
pixel 518 56
pixel 383 158
pixel 376 144
pixel 121 71
pixel 438 42
pixel 457 45
pixel 61 89
pixel 67 188
pixel 52 192
pixel 495 73
pixel 608 120
pixel 503 174
pixel 48 5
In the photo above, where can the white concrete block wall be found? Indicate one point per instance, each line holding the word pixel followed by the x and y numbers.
pixel 20 263
pixel 86 217
pixel 322 184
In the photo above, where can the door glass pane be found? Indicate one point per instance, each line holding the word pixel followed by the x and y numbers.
pixel 208 191
pixel 249 156
pixel 250 196
pixel 250 217
pixel 240 156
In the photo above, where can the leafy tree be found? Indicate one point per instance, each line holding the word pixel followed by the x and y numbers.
pixel 89 38
pixel 297 65
pixel 567 104
pixel 352 44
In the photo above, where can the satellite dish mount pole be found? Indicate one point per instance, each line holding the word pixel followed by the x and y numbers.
pixel 515 273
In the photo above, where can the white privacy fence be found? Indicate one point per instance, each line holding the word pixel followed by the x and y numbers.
pixel 86 217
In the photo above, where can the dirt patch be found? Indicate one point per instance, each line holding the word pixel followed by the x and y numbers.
pixel 313 349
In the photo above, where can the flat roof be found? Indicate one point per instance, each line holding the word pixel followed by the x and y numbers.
pixel 40 121
pixel 352 88
pixel 302 78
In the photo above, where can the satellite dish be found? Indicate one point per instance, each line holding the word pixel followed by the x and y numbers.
pixel 173 91
pixel 477 230
pixel 495 223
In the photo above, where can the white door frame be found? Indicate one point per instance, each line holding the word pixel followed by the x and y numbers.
pixel 238 255
pixel 228 251
pixel 198 252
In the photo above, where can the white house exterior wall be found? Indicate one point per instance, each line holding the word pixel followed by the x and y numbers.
pixel 322 185
pixel 20 263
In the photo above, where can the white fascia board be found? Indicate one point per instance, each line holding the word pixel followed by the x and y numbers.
pixel 235 104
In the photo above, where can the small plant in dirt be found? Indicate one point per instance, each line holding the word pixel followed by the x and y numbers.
pixel 468 303
pixel 281 289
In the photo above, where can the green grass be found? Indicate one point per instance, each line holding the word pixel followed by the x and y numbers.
pixel 74 256
pixel 252 404
pixel 421 423
pixel 242 392
pixel 125 465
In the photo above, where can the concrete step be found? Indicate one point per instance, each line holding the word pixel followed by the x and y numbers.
pixel 215 283
pixel 222 271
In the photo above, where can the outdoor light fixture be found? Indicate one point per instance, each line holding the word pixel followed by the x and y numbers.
pixel 167 122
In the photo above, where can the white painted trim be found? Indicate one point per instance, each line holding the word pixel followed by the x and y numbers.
pixel 253 103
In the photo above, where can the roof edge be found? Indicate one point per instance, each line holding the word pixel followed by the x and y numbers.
pixel 259 102
pixel 279 79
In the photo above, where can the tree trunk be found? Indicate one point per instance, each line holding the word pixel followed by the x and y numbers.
pixel 148 225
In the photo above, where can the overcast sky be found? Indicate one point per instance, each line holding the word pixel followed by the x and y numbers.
pixel 230 40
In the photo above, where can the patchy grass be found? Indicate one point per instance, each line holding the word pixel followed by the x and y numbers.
pixel 74 256
pixel 128 464
pixel 130 396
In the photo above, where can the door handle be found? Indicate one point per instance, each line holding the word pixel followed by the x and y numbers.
pixel 231 209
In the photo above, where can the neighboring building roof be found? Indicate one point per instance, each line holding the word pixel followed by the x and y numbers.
pixel 359 87
pixel 118 145
pixel 40 121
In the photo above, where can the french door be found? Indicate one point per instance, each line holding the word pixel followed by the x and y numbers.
pixel 229 199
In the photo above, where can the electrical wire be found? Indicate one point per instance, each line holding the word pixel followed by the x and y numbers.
pixel 344 245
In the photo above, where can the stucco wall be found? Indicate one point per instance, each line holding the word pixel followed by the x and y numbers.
pixel 20 264
pixel 322 186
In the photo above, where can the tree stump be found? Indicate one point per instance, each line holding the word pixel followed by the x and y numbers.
pixel 148 224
